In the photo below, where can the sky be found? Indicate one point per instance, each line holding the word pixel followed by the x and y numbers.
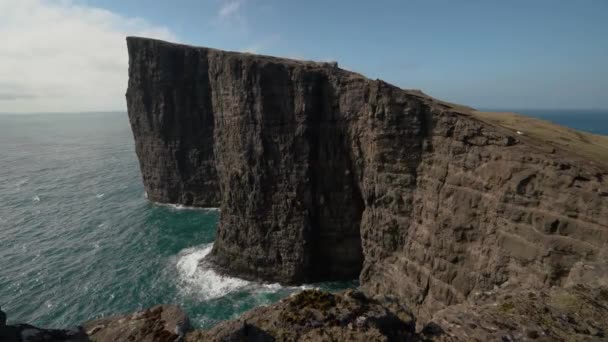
pixel 70 55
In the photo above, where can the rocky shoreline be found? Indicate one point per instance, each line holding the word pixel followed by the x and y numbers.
pixel 573 313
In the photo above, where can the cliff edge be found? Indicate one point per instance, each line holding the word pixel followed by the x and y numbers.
pixel 321 174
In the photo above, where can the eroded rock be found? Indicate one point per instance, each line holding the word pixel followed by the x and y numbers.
pixel 324 174
pixel 576 313
pixel 30 333
pixel 559 314
pixel 160 323
pixel 314 315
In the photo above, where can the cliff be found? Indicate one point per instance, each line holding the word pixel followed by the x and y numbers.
pixel 321 173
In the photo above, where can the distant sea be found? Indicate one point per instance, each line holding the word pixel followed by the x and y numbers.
pixel 79 240
pixel 592 121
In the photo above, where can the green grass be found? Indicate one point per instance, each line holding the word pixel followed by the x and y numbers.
pixel 590 146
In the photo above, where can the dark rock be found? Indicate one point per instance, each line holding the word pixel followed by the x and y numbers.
pixel 520 315
pixel 432 330
pixel 175 137
pixel 159 323
pixel 30 333
pixel 574 313
pixel 324 174
pixel 316 316
pixel 590 273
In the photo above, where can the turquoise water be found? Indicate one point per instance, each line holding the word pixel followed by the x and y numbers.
pixel 78 239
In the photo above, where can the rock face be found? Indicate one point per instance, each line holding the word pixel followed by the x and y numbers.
pixel 572 313
pixel 30 333
pixel 318 316
pixel 161 323
pixel 560 314
pixel 174 128
pixel 321 173
pixel 576 313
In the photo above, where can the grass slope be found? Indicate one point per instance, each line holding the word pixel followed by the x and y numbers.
pixel 588 145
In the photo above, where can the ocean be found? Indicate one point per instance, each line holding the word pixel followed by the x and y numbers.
pixel 79 240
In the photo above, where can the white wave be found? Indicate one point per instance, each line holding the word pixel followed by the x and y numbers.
pixel 202 281
pixel 21 182
pixel 198 280
pixel 184 207
pixel 274 287
pixel 36 199
pixel 99 195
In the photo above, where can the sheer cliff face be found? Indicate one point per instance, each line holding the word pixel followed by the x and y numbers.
pixel 173 123
pixel 323 174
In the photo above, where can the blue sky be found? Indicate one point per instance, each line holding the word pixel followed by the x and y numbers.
pixel 488 54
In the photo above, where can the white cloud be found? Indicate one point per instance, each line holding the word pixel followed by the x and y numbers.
pixel 230 8
pixel 63 56
pixel 231 16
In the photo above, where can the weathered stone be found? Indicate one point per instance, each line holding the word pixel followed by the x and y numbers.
pixel 30 333
pixel 323 174
pixel 317 316
pixel 577 313
pixel 159 323
pixel 2 318
pixel 574 313
pixel 590 273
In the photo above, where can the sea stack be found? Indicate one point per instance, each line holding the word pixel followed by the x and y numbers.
pixel 323 174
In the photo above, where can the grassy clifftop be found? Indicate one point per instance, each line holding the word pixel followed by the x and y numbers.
pixel 588 145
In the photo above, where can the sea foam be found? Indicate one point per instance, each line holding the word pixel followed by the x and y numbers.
pixel 184 207
pixel 201 280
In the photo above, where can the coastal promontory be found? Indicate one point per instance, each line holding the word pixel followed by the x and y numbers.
pixel 322 174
